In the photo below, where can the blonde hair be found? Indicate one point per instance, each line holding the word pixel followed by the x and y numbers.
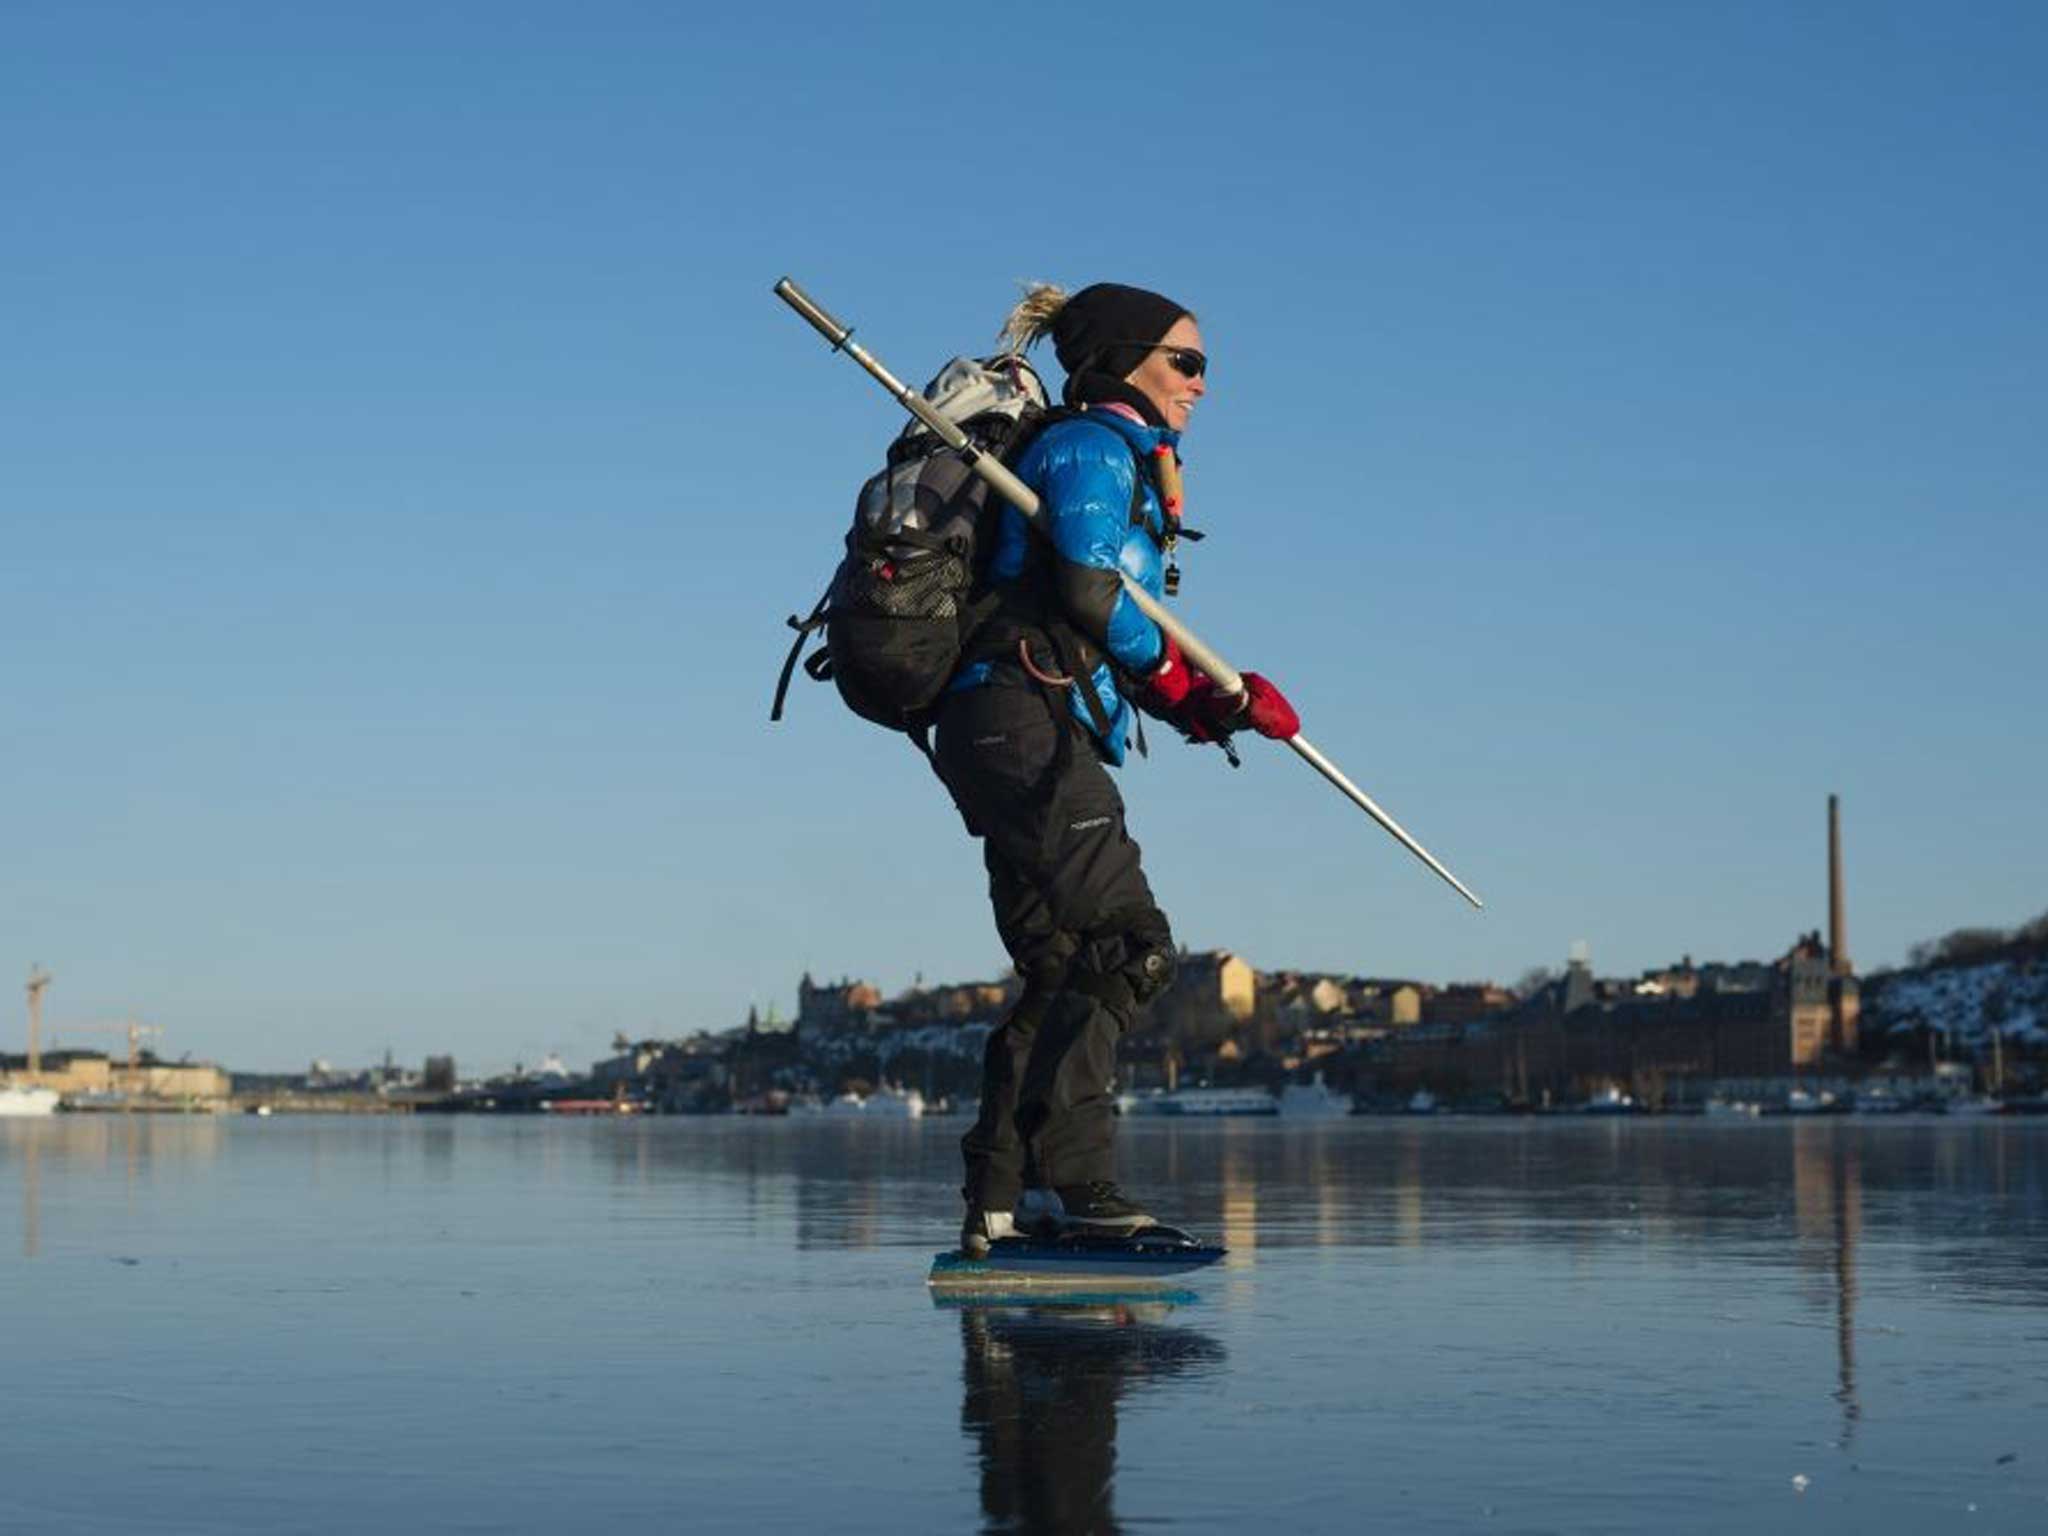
pixel 1032 318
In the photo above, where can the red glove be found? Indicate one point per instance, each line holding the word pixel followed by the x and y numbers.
pixel 1165 688
pixel 1209 714
pixel 1268 710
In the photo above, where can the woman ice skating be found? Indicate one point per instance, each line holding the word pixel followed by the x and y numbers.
pixel 1029 727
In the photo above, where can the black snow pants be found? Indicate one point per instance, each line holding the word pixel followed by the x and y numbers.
pixel 1075 913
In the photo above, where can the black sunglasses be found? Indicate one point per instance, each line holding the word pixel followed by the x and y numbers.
pixel 1184 360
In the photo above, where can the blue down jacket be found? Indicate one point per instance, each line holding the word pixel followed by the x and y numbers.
pixel 1084 469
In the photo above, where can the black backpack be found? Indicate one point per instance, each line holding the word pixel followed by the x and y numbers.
pixel 912 589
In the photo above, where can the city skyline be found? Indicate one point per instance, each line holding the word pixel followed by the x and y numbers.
pixel 486 1063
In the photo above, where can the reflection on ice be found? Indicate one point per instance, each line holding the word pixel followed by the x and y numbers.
pixel 1040 1386
pixel 1828 1201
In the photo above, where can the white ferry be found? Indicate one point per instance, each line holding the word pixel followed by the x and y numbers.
pixel 1315 1100
pixel 21 1100
pixel 1747 1109
pixel 883 1104
pixel 895 1104
pixel 1209 1102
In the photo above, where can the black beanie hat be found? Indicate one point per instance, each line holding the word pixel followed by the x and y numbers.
pixel 1102 333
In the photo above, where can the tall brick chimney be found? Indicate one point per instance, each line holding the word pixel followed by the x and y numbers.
pixel 1838 920
pixel 1844 999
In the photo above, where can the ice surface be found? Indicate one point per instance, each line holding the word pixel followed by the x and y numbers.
pixel 724 1324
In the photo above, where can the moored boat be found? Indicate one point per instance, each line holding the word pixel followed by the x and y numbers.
pixel 22 1100
pixel 1977 1106
pixel 1802 1102
pixel 1201 1102
pixel 1610 1101
pixel 891 1103
pixel 1313 1100
pixel 885 1103
pixel 1746 1109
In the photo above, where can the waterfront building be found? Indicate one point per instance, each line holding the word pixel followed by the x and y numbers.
pixel 1214 994
pixel 1387 1002
pixel 955 1002
pixel 1580 1033
pixel 92 1076
pixel 1465 1002
pixel 837 1005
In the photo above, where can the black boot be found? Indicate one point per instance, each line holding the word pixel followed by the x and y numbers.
pixel 1099 1206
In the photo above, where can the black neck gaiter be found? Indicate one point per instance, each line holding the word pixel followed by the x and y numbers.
pixel 1091 388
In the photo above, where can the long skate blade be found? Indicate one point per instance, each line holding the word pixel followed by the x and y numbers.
pixel 1078 1260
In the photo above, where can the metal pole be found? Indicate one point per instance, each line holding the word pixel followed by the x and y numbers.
pixel 1364 802
pixel 1025 500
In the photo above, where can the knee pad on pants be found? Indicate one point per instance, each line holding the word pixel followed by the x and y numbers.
pixel 1145 967
pixel 1150 959
pixel 1155 968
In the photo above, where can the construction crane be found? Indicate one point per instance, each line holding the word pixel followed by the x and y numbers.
pixel 38 979
pixel 133 1030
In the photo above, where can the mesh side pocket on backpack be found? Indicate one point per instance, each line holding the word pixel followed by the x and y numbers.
pixel 918 585
pixel 889 668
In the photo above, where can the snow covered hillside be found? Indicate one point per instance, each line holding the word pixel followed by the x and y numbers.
pixel 1965 1001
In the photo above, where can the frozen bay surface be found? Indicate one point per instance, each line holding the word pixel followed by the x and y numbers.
pixel 327 1324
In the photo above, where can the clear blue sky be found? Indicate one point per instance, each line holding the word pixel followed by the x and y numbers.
pixel 1626 428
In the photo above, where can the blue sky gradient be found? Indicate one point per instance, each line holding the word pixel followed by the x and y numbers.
pixel 1626 428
